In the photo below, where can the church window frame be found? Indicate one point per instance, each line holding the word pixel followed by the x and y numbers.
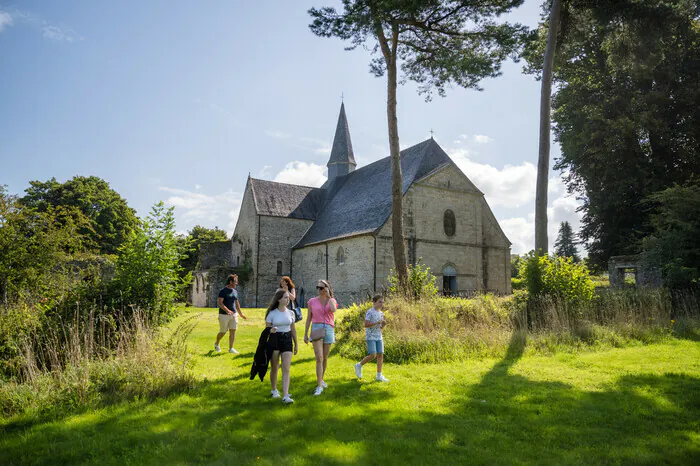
pixel 340 256
pixel 279 267
pixel 449 223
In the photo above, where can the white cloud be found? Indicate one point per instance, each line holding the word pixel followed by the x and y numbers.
pixel 5 20
pixel 278 134
pixel 197 187
pixel 264 171
pixel 59 33
pixel 511 186
pixel 195 208
pixel 482 139
pixel 521 231
pixel 302 173
pixel 50 31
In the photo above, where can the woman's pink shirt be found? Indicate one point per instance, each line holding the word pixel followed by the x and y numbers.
pixel 321 314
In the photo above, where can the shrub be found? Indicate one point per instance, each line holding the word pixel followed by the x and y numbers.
pixel 145 364
pixel 421 282
pixel 557 276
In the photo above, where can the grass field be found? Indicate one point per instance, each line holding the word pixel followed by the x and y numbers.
pixel 637 405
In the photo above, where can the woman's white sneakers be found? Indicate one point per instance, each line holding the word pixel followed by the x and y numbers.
pixel 324 384
pixel 318 391
pixel 381 378
pixel 287 400
pixel 275 393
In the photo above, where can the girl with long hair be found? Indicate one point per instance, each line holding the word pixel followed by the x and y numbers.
pixel 283 337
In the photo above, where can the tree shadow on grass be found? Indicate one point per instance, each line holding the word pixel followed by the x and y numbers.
pixel 505 418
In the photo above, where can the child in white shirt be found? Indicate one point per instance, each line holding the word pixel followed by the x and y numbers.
pixel 374 323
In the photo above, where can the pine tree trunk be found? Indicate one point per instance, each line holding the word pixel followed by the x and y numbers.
pixel 389 49
pixel 541 240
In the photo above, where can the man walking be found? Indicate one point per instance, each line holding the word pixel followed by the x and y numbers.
pixel 229 308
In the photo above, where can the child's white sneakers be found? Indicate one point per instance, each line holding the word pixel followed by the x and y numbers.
pixel 358 370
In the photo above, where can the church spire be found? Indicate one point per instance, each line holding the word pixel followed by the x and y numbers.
pixel 342 159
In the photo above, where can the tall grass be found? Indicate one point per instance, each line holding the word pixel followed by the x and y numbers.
pixel 96 361
pixel 438 329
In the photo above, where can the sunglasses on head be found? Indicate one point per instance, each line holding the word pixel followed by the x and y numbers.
pixel 320 287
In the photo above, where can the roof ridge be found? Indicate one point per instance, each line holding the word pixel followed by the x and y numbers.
pixel 286 184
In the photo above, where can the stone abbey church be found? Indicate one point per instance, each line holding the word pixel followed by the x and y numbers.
pixel 342 231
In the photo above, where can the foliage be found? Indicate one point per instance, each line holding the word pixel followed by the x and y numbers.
pixel 420 284
pixel 147 269
pixel 189 249
pixel 439 43
pixel 627 76
pixel 35 246
pixel 144 364
pixel 565 245
pixel 101 217
pixel 557 276
pixel 673 246
pixel 517 283
pixel 515 261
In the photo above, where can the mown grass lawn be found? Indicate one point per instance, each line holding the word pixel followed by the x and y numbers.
pixel 636 405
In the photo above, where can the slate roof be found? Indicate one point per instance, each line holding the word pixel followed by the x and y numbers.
pixel 342 145
pixel 360 202
pixel 286 200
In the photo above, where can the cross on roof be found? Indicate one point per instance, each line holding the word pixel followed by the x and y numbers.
pixel 431 133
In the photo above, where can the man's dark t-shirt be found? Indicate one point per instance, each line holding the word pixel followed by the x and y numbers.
pixel 230 297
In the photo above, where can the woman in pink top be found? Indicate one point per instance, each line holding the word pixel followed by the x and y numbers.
pixel 321 316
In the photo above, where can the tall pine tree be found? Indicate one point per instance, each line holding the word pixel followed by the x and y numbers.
pixel 565 245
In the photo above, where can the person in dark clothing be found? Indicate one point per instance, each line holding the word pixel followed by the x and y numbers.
pixel 262 357
pixel 229 308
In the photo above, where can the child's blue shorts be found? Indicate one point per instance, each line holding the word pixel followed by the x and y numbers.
pixel 375 346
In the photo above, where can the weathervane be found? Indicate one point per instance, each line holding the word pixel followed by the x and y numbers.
pixel 431 133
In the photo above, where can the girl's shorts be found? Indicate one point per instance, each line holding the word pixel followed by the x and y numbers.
pixel 329 337
pixel 375 346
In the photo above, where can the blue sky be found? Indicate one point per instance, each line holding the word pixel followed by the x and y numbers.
pixel 180 101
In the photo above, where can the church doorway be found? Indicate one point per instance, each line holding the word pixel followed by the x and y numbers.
pixel 449 281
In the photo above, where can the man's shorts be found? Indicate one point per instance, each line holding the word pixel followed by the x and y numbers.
pixel 375 346
pixel 329 336
pixel 228 322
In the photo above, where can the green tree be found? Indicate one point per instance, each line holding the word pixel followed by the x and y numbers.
pixel 556 276
pixel 35 249
pixel 565 245
pixel 627 75
pixel 673 247
pixel 110 219
pixel 439 43
pixel 194 239
pixel 148 265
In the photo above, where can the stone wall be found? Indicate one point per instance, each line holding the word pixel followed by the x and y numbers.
pixel 277 237
pixel 478 251
pixel 245 242
pixel 351 273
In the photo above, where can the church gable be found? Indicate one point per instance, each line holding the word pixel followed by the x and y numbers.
pixel 449 177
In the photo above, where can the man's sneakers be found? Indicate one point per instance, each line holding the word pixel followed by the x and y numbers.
pixel 381 378
pixel 318 391
pixel 287 400
pixel 233 351
pixel 358 370
pixel 217 348
pixel 275 393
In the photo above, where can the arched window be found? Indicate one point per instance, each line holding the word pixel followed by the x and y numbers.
pixel 319 258
pixel 340 256
pixel 238 260
pixel 449 222
pixel 279 267
pixel 449 280
pixel 196 284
